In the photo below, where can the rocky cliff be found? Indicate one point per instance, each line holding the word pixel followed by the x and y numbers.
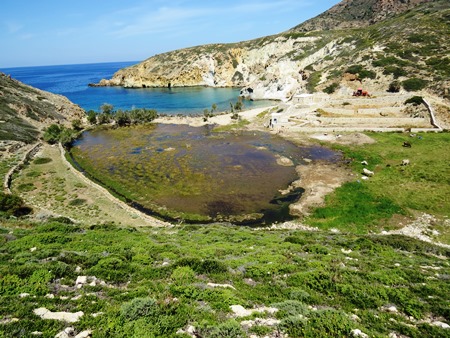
pixel 25 111
pixel 398 40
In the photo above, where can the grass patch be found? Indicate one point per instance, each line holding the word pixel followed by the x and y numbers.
pixel 422 186
pixel 42 160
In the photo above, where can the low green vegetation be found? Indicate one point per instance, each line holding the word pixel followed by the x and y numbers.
pixel 421 186
pixel 156 281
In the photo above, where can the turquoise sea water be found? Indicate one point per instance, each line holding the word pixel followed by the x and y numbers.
pixel 72 81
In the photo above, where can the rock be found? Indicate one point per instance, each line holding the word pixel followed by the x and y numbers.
pixel 84 334
pixel 391 308
pixel 405 162
pixel 240 311
pixel 37 333
pixel 346 251
pixel 359 333
pixel 62 316
pixel 367 172
pixel 67 333
pixel 213 285
pixel 33 249
pixel 364 163
pixel 81 280
pixel 441 325
pixel 24 295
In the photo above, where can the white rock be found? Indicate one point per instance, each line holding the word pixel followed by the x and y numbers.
pixel 441 325
pixel 393 335
pixel 76 297
pixel 346 251
pixel 63 316
pixel 359 333
pixel 364 163
pixel 213 285
pixel 95 315
pixel 78 269
pixel 50 295
pixel 392 309
pixel 24 295
pixel 191 329
pixel 37 333
pixel 240 311
pixel 33 249
pixel 81 280
pixel 67 333
pixel 367 172
pixel 84 334
pixel 365 178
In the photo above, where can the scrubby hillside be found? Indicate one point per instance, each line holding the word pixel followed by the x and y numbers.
pixel 350 13
pixel 25 111
pixel 410 47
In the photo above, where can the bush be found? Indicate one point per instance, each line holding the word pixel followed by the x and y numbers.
pixel 92 117
pixel 183 274
pixel 331 88
pixel 290 308
pixel 229 329
pixel 111 269
pixel 396 71
pixel 52 133
pixel 42 160
pixel 12 205
pixel 354 69
pixel 138 308
pixel 414 84
pixel 394 87
pixel 415 100
pixel 327 323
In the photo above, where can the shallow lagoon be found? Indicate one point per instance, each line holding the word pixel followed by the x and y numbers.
pixel 196 174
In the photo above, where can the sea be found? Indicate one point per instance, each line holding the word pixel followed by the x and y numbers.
pixel 72 81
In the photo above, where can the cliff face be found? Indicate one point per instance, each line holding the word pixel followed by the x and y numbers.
pixel 25 111
pixel 276 67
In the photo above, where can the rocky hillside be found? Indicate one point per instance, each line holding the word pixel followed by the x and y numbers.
pixel 403 41
pixel 25 111
pixel 351 14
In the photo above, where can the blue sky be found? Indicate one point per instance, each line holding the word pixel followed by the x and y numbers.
pixel 53 32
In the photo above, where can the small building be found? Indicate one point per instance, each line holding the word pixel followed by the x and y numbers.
pixel 277 119
pixel 304 99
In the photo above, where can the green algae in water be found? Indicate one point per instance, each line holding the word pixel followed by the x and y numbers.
pixel 193 174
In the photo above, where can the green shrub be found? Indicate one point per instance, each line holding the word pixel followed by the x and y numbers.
pixel 396 71
pixel 354 69
pixel 326 323
pixel 183 274
pixel 12 205
pixel 10 285
pixel 42 160
pixel 229 329
pixel 26 187
pixel 77 202
pixel 415 100
pixel 203 266
pixel 138 308
pixel 38 283
pixel 290 308
pixel 394 87
pixel 111 269
pixel 414 84
pixel 331 88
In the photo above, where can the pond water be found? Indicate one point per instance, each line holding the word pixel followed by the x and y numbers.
pixel 195 174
